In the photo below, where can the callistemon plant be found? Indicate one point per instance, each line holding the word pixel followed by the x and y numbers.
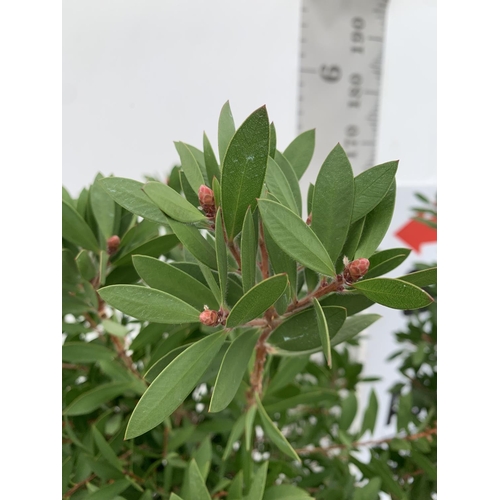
pixel 228 276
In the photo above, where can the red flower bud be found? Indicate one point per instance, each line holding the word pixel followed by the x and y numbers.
pixel 209 317
pixel 113 243
pixel 355 270
pixel 207 200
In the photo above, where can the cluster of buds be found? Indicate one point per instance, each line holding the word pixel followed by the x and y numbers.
pixel 207 201
pixel 210 317
pixel 355 270
pixel 112 244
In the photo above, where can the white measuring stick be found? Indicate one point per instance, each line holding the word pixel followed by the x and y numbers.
pixel 340 68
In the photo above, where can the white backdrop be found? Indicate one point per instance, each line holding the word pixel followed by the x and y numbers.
pixel 139 75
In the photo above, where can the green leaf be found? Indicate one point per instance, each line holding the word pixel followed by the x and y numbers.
pixel 300 152
pixel 249 420
pixel 84 352
pixel 377 223
pixel 85 265
pixel 210 160
pixel 404 410
pixel 195 243
pixel 235 491
pixel 149 304
pixel 371 186
pixel 172 203
pixel 425 464
pixel 292 179
pixel 109 491
pixel 216 190
pixel 129 195
pixel 386 260
pixel 248 250
pixel 295 238
pixel 152 248
pixel 226 130
pixel 190 166
pixel 257 300
pixel 310 197
pixel 286 492
pixel 114 328
pixel 349 407
pixel 190 194
pixel 212 283
pixel 273 433
pixel 352 302
pixel 351 243
pixel 203 457
pixel 323 331
pixel 394 293
pixel 425 277
pixel 221 253
pixel 103 265
pixel 370 417
pixel 300 331
pixel 93 399
pixel 197 488
pixel 76 230
pixel 236 431
pixel 233 369
pixel 258 483
pixel 244 169
pixel 106 450
pixel 369 491
pixel 173 385
pixel 333 202
pixel 278 185
pixel 165 277
pixel 200 159
pixel 272 140
pixel 287 371
pixel 103 208
pixel 173 496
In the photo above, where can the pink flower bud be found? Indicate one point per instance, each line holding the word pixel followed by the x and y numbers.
pixel 206 196
pixel 113 243
pixel 358 268
pixel 209 317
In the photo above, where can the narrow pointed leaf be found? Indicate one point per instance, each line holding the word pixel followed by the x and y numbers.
pixel 249 420
pixel 258 483
pixel 394 293
pixel 152 248
pixel 300 151
pixel 211 164
pixel 76 230
pixel 371 186
pixel 172 203
pixel 233 369
pixel 323 331
pixel 333 202
pixel 190 194
pixel 292 179
pixel 109 491
pixel 103 264
pixel 211 282
pixel 129 195
pixel 286 492
pixel 386 260
pixel 248 250
pixel 226 130
pixel 351 243
pixel 197 488
pixel 195 243
pixel 165 277
pixel 149 304
pixel 200 159
pixel 426 277
pixel 244 170
pixel 85 265
pixel 295 238
pixel 272 140
pixel 278 185
pixel 106 450
pixel 370 417
pixel 85 352
pixel 203 457
pixel 257 300
pixel 273 433
pixel 349 407
pixel 103 208
pixel 173 385
pixel 190 166
pixel 236 432
pixel 352 302
pixel 377 223
pixel 221 253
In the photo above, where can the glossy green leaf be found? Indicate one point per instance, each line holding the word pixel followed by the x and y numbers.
pixel 244 170
pixel 295 238
pixel 303 337
pixel 195 243
pixel 257 300
pixel 110 490
pixel 85 352
pixel 85 265
pixel 300 151
pixel 236 432
pixel 197 488
pixel 152 248
pixel 221 253
pixel 172 203
pixel 93 399
pixel 76 230
pixel 371 186
pixel 386 260
pixel 273 433
pixel 352 302
pixel 278 185
pixel 106 450
pixel 249 420
pixel 323 331
pixel 190 166
pixel 154 369
pixel 333 202
pixel 225 131
pixel 233 369
pixel 173 385
pixel 128 194
pixel 211 164
pixel 394 293
pixel 165 277
pixel 370 416
pixel 377 223
pixel 149 304
pixel 426 277
pixel 103 208
pixel 286 492
pixel 351 243
pixel 248 251
pixel 258 483
pixel 292 179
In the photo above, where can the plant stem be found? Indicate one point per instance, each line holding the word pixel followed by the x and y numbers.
pixel 264 263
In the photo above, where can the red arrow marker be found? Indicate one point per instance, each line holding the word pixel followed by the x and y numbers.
pixel 415 234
